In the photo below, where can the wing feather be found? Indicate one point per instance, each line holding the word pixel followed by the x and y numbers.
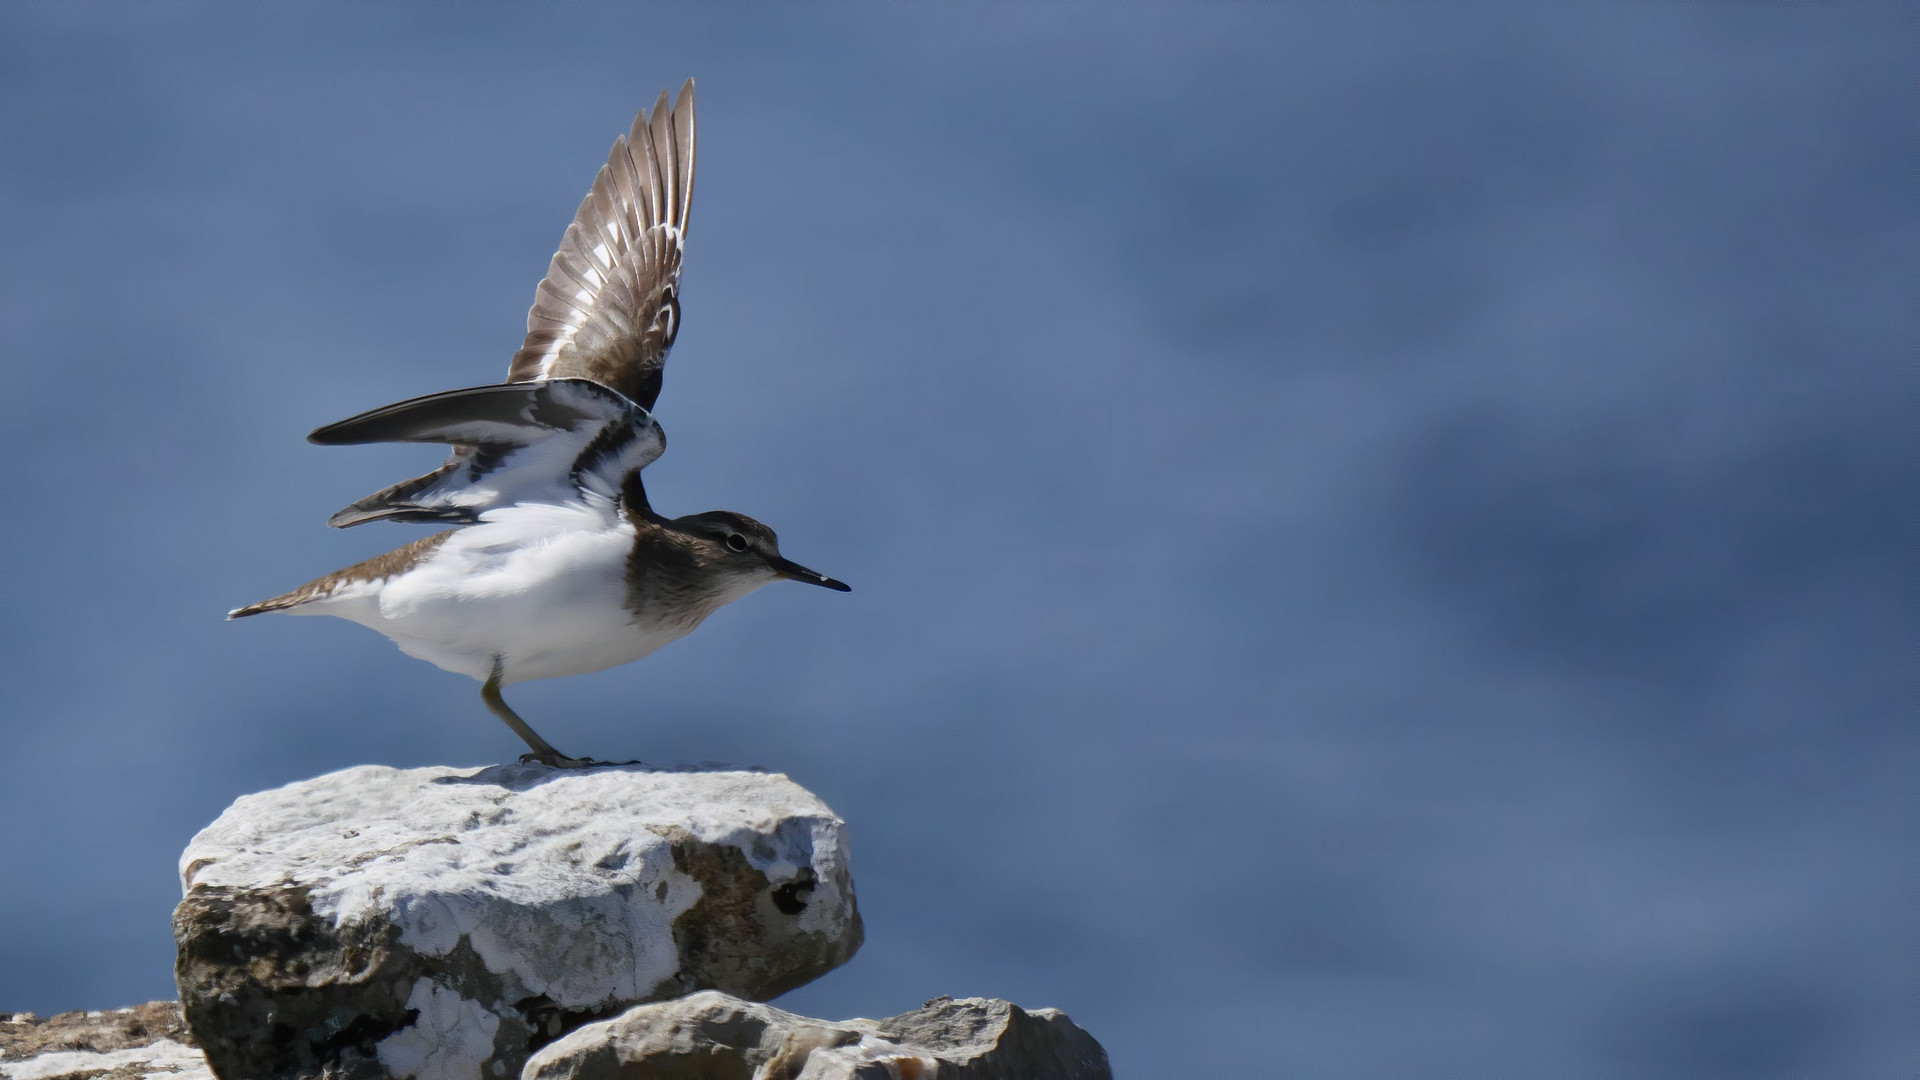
pixel 609 307
pixel 549 441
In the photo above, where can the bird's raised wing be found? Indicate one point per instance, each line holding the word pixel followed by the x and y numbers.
pixel 554 441
pixel 609 307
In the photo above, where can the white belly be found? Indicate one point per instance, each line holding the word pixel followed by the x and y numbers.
pixel 539 590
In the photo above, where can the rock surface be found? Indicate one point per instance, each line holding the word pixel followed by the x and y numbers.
pixel 445 923
pixel 714 1035
pixel 143 1042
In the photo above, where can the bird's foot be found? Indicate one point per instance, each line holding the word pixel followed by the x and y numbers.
pixel 557 760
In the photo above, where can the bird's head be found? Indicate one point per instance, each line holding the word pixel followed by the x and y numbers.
pixel 737 545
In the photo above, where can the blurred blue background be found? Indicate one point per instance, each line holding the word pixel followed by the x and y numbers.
pixel 1378 532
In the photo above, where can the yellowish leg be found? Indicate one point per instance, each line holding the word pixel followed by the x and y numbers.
pixel 543 751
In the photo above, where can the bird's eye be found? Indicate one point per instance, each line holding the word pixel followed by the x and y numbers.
pixel 736 542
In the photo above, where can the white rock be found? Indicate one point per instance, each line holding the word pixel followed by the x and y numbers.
pixel 431 922
pixel 712 1034
pixel 163 1060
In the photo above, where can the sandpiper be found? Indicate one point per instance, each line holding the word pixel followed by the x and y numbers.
pixel 557 565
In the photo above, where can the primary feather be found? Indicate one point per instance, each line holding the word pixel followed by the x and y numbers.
pixel 606 313
pixel 609 307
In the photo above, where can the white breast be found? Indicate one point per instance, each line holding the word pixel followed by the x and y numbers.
pixel 542 587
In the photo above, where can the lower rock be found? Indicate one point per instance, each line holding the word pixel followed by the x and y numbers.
pixel 443 924
pixel 143 1042
pixel 713 1035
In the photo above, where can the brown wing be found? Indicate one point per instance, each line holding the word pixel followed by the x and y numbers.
pixel 610 305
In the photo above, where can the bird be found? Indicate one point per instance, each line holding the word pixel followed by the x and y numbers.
pixel 556 564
